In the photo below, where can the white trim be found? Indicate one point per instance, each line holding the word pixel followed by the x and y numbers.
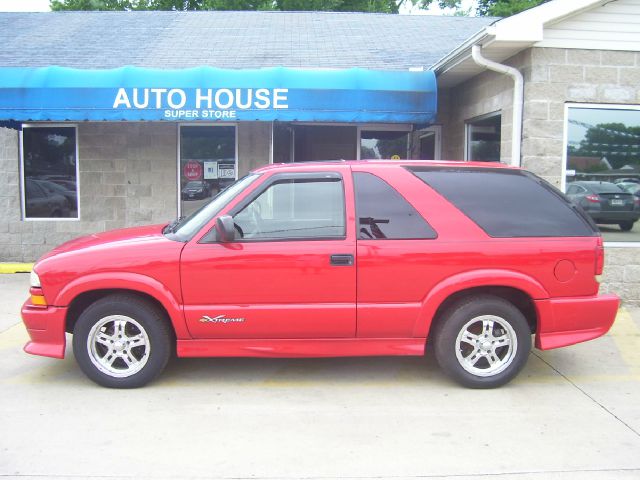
pixel 23 193
pixel 202 124
pixel 271 145
pixel 565 142
pixel 518 99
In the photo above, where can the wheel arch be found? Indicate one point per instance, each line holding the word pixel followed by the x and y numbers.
pixel 83 292
pixel 515 287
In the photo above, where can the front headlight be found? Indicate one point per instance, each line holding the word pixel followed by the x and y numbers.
pixel 34 279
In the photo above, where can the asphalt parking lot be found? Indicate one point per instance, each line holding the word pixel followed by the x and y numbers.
pixel 573 413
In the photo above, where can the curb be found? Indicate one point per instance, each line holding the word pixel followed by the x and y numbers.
pixel 15 267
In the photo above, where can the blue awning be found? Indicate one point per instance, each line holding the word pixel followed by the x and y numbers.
pixel 212 94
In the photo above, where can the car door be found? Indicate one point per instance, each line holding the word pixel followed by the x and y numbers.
pixel 290 272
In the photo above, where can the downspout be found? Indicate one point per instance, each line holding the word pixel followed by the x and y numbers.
pixel 518 98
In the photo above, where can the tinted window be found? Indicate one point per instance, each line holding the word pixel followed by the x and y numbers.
pixel 295 208
pixel 384 214
pixel 508 203
pixel 50 172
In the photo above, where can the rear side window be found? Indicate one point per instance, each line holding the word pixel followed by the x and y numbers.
pixel 384 214
pixel 508 203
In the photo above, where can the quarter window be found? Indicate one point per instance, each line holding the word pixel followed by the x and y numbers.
pixel 50 172
pixel 384 214
pixel 508 203
pixel 295 208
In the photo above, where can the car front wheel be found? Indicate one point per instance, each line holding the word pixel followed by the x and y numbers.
pixel 482 341
pixel 122 341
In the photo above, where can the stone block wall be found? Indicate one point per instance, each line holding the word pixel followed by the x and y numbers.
pixel 254 146
pixel 554 77
pixel 127 178
pixel 486 93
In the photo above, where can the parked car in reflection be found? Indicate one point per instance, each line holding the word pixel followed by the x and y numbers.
pixel 196 189
pixel 52 188
pixel 631 187
pixel 40 203
pixel 607 203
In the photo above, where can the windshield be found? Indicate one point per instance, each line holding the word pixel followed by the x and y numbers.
pixel 193 184
pixel 188 226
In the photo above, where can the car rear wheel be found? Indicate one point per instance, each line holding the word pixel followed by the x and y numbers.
pixel 122 341
pixel 482 341
pixel 626 226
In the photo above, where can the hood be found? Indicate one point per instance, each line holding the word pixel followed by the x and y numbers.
pixel 114 237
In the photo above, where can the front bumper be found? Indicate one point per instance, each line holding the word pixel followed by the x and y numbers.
pixel 46 329
pixel 567 321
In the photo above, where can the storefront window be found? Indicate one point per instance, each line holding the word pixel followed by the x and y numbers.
pixel 376 144
pixel 483 138
pixel 603 167
pixel 49 172
pixel 207 163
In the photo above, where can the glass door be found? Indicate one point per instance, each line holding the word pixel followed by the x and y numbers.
pixel 207 163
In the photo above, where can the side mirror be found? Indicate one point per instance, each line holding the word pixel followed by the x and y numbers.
pixel 226 229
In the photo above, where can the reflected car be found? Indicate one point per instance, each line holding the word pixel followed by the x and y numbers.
pixel 52 188
pixel 41 203
pixel 631 187
pixel 606 203
pixel 196 189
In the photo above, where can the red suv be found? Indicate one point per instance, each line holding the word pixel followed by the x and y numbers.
pixel 333 259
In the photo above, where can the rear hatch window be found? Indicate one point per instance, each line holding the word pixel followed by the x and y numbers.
pixel 508 203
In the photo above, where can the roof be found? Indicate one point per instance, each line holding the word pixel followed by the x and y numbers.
pixel 385 163
pixel 233 40
pixel 506 37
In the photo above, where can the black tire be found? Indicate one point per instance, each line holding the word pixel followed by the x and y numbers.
pixel 626 226
pixel 468 361
pixel 122 322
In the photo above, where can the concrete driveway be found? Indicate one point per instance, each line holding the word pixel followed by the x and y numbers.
pixel 573 413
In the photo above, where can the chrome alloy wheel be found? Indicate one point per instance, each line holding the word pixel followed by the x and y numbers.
pixel 118 346
pixel 486 345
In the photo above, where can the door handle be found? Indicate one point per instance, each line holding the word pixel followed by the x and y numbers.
pixel 343 260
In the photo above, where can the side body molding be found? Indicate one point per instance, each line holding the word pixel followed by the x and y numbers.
pixel 471 279
pixel 127 281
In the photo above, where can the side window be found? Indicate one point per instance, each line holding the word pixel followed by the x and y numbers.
pixel 384 214
pixel 295 208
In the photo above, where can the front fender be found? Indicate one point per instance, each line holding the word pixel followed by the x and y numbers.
pixel 473 279
pixel 126 281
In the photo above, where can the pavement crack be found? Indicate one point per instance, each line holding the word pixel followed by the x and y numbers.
pixel 586 394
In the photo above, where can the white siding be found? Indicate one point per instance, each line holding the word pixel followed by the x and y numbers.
pixel 613 26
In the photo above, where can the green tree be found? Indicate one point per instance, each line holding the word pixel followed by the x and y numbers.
pixel 497 8
pixel 384 6
pixel 493 8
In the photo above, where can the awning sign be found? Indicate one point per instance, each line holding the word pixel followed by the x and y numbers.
pixel 205 93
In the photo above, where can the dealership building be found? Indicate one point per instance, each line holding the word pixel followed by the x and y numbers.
pixel 115 119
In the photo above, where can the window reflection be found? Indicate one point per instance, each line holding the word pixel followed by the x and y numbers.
pixel 384 144
pixel 603 168
pixel 207 164
pixel 483 139
pixel 50 180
